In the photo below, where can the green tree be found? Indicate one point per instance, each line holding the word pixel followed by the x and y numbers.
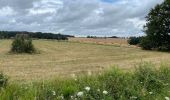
pixel 157 28
pixel 22 44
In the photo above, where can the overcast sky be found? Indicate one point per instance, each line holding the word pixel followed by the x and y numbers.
pixel 76 17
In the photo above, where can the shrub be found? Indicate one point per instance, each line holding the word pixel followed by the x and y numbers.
pixel 134 40
pixel 146 44
pixel 3 80
pixel 22 44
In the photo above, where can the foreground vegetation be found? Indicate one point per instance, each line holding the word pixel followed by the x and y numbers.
pixel 145 83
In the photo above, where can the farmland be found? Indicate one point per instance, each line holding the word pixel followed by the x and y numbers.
pixel 63 59
pixel 107 41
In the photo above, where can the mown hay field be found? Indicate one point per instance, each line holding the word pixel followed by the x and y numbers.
pixel 63 59
pixel 104 41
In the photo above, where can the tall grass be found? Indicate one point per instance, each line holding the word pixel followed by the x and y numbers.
pixel 145 83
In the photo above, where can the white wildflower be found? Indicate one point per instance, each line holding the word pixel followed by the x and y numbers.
pixel 98 90
pixel 89 73
pixel 150 92
pixel 73 75
pixel 167 98
pixel 53 92
pixel 133 97
pixel 87 88
pixel 75 98
pixel 105 92
pixel 61 97
pixel 80 94
pixel 72 97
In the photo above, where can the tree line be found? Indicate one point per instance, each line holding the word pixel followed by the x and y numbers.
pixel 36 35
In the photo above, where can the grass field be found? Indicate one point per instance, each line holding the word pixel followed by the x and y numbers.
pixel 105 41
pixel 66 58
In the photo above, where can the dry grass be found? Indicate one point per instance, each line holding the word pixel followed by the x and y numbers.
pixel 65 58
pixel 107 41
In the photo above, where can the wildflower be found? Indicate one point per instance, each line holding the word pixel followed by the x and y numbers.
pixel 105 92
pixel 61 97
pixel 87 88
pixel 98 90
pixel 73 75
pixel 80 94
pixel 89 73
pixel 150 92
pixel 141 82
pixel 53 92
pixel 133 97
pixel 167 98
pixel 72 97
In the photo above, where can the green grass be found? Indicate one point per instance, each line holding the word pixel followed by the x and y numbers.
pixel 62 59
pixel 145 83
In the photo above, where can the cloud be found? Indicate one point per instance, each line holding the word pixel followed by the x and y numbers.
pixel 77 17
pixel 6 11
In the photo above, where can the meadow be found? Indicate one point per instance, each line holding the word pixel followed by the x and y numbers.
pixel 62 59
pixel 74 70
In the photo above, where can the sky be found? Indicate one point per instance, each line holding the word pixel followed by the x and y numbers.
pixel 76 17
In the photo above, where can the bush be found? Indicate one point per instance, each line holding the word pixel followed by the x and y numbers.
pixel 22 44
pixel 146 44
pixel 3 80
pixel 134 40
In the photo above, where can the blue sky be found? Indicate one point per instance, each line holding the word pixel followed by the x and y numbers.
pixel 76 17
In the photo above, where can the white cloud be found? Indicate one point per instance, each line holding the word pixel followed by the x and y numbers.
pixel 137 23
pixel 45 6
pixel 6 11
pixel 78 17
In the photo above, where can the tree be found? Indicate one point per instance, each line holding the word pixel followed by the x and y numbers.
pixel 157 28
pixel 37 35
pixel 22 44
